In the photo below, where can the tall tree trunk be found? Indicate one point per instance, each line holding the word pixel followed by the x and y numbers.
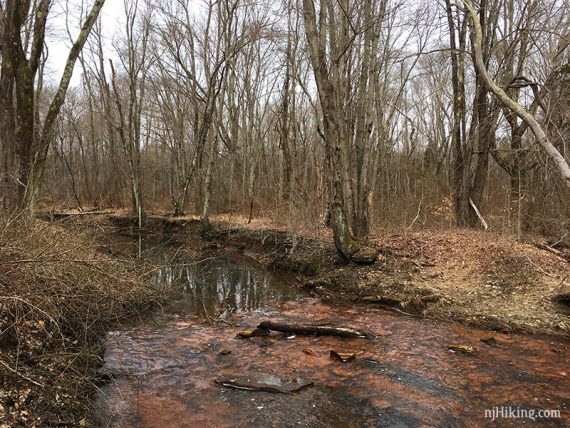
pixel 31 139
pixel 459 162
pixel 208 188
pixel 285 125
pixel 361 215
pixel 343 239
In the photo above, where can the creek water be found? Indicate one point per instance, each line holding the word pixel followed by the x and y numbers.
pixel 163 372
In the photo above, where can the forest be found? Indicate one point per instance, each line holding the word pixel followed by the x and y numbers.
pixel 378 167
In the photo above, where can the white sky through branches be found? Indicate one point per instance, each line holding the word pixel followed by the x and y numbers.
pixel 58 41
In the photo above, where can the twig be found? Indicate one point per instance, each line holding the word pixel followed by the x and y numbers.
pixel 21 375
pixel 206 313
pixel 418 213
pixel 559 241
pixel 540 269
pixel 29 304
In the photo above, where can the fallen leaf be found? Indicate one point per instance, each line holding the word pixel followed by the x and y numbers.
pixel 253 332
pixel 465 349
pixel 343 357
pixel 309 352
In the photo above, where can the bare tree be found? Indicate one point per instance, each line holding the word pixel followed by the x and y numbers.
pixel 129 125
pixel 511 104
pixel 325 68
pixel 21 60
pixel 232 107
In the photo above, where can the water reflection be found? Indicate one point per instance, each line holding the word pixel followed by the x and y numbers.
pixel 222 286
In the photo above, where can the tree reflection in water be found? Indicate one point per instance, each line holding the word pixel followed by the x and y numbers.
pixel 222 285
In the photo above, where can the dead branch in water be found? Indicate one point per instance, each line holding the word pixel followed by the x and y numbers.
pixel 314 329
pixel 265 383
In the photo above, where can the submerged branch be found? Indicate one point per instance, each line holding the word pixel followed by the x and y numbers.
pixel 314 329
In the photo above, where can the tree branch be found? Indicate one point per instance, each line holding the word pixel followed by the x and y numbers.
pixel 511 104
pixel 59 97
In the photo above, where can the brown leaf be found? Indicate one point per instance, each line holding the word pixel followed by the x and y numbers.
pixel 309 352
pixel 343 357
pixel 465 349
pixel 253 332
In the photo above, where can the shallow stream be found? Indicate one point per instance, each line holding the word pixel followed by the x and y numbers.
pixel 163 372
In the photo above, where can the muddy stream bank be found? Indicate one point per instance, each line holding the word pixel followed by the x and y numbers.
pixel 163 372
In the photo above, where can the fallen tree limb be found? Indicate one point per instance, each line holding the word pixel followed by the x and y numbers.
pixel 21 374
pixel 265 383
pixel 550 250
pixel 62 214
pixel 479 216
pixel 314 329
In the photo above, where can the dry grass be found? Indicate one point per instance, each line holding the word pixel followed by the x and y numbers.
pixel 485 279
pixel 58 297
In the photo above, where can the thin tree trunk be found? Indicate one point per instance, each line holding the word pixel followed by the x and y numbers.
pixel 208 188
pixel 460 162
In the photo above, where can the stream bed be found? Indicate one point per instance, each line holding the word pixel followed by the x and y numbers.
pixel 163 372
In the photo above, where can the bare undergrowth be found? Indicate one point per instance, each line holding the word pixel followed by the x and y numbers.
pixel 58 296
pixel 482 279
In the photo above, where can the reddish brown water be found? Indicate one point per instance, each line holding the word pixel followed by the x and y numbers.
pixel 163 372
pixel 406 377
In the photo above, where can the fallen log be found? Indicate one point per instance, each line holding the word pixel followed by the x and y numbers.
pixel 78 213
pixel 318 330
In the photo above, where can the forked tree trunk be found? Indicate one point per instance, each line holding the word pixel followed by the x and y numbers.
pixel 18 74
pixel 343 239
